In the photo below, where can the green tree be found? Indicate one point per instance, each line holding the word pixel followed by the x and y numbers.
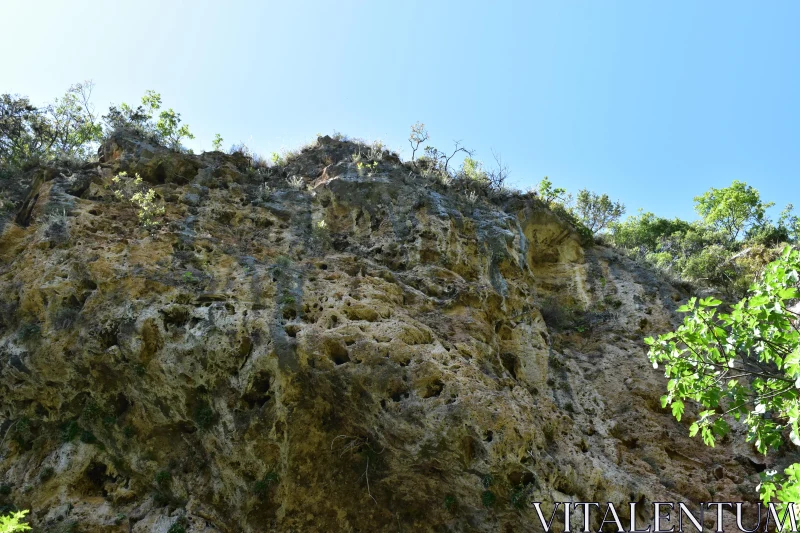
pixel 597 211
pixel 216 144
pixel 732 209
pixel 11 523
pixel 66 128
pixel 75 127
pixel 472 170
pixel 23 130
pixel 165 127
pixel 645 230
pixel 741 365
pixel 550 194
pixel 790 223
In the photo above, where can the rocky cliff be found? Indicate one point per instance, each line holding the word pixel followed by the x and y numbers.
pixel 366 351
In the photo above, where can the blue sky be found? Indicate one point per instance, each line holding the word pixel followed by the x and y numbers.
pixel 651 102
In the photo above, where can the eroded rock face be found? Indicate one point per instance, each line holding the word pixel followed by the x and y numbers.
pixel 416 363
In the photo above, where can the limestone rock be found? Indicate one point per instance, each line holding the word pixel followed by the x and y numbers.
pixel 374 353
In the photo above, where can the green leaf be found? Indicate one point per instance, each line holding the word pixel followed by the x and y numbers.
pixel 788 294
pixel 757 301
pixel 677 409
pixel 708 436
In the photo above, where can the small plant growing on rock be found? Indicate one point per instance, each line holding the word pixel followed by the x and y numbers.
pixel 376 152
pixel 295 182
pixel 277 159
pixel 366 167
pixel 163 478
pixel 88 437
pixel 488 498
pixel 450 502
pixel 29 332
pixel 12 524
pixel 71 431
pixel 46 474
pixel 472 197
pixel 64 317
pixel 216 144
pixel 283 261
pixel 142 197
pixel 519 496
pixel 179 526
pixel 446 180
pixel 22 432
pixel 204 416
pixel 264 191
pixel 261 487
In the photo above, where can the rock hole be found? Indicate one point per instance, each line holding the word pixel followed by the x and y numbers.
pixel 520 478
pixel 258 392
pixel 96 476
pixel 121 405
pixel 176 315
pixel 333 321
pixel 338 353
pixel 292 329
pixel 510 363
pixel 433 389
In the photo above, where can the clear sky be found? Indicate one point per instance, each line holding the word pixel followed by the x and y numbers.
pixel 651 102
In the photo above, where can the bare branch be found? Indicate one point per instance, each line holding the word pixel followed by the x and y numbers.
pixel 497 177
pixel 458 149
pixel 418 136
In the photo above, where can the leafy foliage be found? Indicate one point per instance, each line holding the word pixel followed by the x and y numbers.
pixel 144 198
pixel 12 523
pixel 743 364
pixel 597 211
pixel 472 169
pixel 67 128
pixel 646 230
pixel 550 194
pixel 216 144
pixel 164 128
pixel 726 249
pixel 732 209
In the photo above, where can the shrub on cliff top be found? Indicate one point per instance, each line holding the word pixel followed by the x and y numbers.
pixel 67 128
pixel 165 128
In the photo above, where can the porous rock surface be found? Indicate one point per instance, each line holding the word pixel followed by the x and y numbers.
pixel 368 352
